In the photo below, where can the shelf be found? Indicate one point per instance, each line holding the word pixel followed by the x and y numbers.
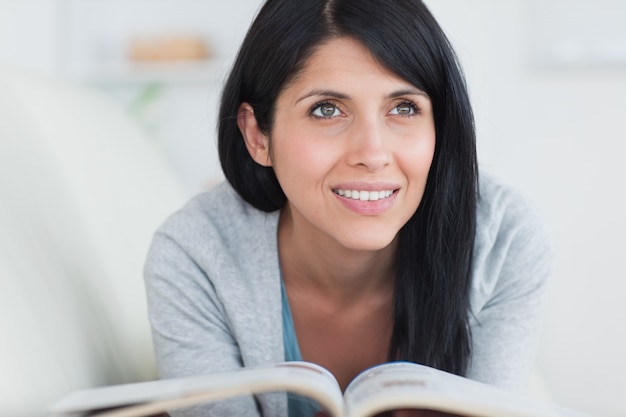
pixel 208 71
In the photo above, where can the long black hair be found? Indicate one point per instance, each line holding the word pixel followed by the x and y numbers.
pixel 431 302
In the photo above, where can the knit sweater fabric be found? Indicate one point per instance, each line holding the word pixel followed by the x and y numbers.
pixel 214 292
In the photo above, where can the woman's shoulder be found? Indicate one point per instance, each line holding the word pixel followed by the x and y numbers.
pixel 505 209
pixel 513 245
pixel 218 216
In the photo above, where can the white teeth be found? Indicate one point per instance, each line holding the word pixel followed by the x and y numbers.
pixel 364 195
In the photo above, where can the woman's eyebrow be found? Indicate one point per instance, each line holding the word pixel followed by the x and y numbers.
pixel 407 92
pixel 338 95
pixel 323 93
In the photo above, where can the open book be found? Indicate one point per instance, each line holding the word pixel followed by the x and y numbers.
pixel 391 386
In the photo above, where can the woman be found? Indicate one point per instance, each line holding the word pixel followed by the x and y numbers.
pixel 352 228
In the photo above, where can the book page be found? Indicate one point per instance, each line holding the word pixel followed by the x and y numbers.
pixel 145 398
pixel 404 385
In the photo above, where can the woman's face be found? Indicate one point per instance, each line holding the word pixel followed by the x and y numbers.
pixel 351 145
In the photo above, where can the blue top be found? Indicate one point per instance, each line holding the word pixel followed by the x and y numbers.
pixel 298 406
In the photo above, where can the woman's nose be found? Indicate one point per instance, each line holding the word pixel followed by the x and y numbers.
pixel 368 145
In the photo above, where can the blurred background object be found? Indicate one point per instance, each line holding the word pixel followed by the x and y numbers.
pixel 92 161
pixel 82 189
pixel 167 48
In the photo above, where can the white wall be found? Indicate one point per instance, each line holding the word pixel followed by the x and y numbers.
pixel 28 35
pixel 555 131
pixel 183 114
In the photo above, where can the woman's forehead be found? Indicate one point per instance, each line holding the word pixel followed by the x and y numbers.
pixel 341 62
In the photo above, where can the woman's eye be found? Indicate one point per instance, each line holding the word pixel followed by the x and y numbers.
pixel 325 110
pixel 404 109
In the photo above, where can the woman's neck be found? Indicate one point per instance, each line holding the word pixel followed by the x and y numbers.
pixel 321 265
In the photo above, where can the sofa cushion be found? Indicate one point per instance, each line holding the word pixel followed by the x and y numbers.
pixel 82 189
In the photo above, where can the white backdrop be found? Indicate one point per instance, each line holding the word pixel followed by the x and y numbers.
pixel 551 127
pixel 556 131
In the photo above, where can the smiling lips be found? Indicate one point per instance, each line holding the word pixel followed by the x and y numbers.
pixel 364 195
pixel 367 202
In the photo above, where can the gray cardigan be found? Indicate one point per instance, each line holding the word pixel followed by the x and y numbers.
pixel 213 284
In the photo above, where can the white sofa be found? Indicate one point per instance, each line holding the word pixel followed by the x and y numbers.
pixel 82 189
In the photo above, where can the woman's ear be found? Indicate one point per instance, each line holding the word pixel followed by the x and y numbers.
pixel 256 141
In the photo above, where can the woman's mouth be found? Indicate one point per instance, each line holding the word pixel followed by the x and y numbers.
pixel 364 195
